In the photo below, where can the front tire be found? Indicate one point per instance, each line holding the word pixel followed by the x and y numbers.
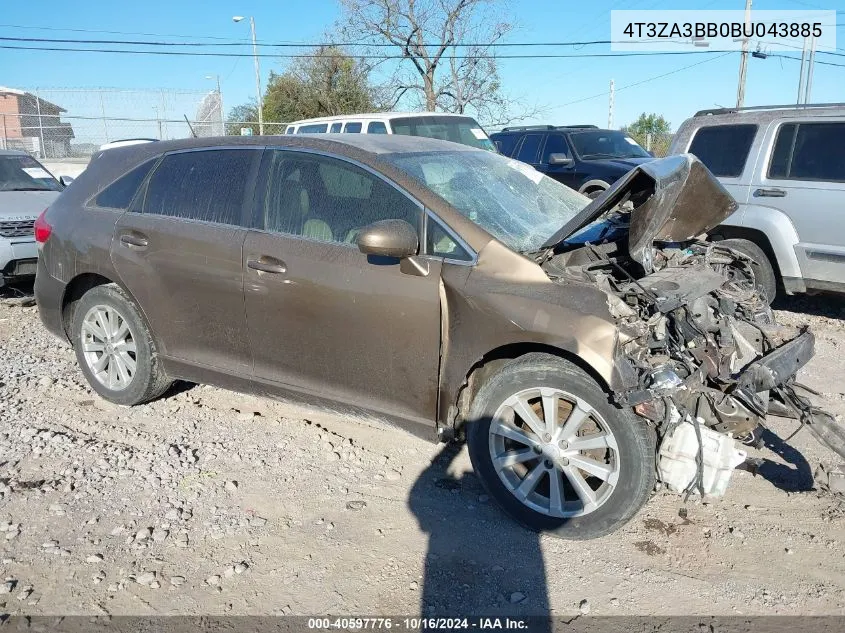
pixel 764 272
pixel 554 453
pixel 114 348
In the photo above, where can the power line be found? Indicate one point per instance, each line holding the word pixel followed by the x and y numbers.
pixel 313 55
pixel 656 77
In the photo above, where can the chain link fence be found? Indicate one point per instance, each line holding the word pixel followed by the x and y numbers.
pixel 60 124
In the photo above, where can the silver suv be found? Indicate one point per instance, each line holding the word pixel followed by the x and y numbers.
pixel 26 189
pixel 786 168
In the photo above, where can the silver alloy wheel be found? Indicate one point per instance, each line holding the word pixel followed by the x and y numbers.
pixel 108 345
pixel 554 452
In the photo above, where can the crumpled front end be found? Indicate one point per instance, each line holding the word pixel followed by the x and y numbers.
pixel 699 352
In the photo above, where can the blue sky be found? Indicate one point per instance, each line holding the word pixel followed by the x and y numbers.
pixel 564 86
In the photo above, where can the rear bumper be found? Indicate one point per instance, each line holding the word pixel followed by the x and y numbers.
pixel 49 294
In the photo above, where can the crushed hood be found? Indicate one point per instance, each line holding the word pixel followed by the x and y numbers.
pixel 674 199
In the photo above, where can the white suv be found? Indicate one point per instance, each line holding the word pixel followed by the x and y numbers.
pixel 457 128
pixel 785 165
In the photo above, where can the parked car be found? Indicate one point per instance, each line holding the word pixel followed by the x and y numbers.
pixel 785 167
pixel 26 189
pixel 125 142
pixel 581 157
pixel 457 128
pixel 438 286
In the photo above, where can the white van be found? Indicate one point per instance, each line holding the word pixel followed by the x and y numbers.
pixel 457 128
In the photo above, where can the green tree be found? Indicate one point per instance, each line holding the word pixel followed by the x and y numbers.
pixel 652 131
pixel 330 83
pixel 244 115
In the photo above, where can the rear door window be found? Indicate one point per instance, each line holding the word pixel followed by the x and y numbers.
pixel 530 148
pixel 809 151
pixel 723 148
pixel 206 185
pixel 376 127
pixel 353 127
pixel 336 126
pixel 119 194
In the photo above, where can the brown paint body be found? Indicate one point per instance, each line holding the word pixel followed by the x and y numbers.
pixel 326 325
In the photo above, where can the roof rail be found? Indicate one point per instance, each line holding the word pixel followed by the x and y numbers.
pixel 788 106
pixel 577 127
pixel 524 128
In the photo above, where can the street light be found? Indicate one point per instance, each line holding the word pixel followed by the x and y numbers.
pixel 238 18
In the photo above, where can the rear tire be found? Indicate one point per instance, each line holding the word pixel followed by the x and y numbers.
pixel 114 348
pixel 544 488
pixel 764 272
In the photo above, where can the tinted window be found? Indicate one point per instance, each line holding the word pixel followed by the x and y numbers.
pixel 723 148
pixel 506 143
pixel 119 194
pixel 555 144
pixel 592 144
pixel 314 128
pixel 335 128
pixel 817 154
pixel 779 164
pixel 530 148
pixel 376 127
pixel 206 185
pixel 464 130
pixel 290 130
pixel 441 244
pixel 353 128
pixel 328 199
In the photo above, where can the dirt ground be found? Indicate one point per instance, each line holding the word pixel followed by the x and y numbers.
pixel 210 502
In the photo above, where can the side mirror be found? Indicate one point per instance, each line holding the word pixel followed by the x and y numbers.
pixel 560 159
pixel 65 180
pixel 388 238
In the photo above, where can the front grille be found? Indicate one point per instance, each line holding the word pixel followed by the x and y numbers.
pixel 16 228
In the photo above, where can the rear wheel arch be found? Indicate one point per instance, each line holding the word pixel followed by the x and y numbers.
pixel 82 283
pixel 496 358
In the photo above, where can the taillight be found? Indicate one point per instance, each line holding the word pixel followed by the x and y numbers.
pixel 42 228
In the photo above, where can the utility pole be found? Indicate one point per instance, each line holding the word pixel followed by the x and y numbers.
pixel 610 107
pixel 810 61
pixel 743 62
pixel 801 75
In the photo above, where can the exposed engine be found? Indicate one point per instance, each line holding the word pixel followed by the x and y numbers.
pixel 699 351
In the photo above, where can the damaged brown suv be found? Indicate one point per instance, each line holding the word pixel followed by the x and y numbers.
pixel 581 348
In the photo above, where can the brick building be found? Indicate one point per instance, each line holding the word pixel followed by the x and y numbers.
pixel 33 124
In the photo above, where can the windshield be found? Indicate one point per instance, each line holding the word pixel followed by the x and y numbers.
pixel 464 130
pixel 606 144
pixel 510 200
pixel 24 173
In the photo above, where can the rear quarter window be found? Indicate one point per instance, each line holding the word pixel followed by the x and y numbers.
pixel 723 148
pixel 120 193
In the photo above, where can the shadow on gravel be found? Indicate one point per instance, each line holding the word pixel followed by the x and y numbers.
pixel 826 305
pixel 794 476
pixel 478 561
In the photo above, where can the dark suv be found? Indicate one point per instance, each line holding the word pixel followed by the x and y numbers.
pixel 582 157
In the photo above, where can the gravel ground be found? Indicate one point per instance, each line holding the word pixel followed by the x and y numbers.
pixel 210 502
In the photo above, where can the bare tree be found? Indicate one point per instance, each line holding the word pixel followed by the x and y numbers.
pixel 448 60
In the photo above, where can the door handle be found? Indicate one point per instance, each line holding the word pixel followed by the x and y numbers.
pixel 131 240
pixel 769 193
pixel 267 265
